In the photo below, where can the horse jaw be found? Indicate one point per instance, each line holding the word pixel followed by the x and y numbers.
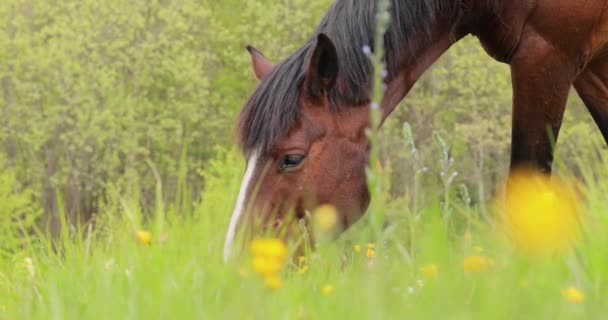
pixel 240 205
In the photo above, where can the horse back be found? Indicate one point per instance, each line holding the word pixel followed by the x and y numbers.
pixel 578 29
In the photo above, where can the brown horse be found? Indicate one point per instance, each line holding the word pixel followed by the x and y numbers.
pixel 303 129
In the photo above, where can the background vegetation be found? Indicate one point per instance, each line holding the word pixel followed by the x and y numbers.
pixel 120 114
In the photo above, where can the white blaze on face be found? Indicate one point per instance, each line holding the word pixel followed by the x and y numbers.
pixel 240 205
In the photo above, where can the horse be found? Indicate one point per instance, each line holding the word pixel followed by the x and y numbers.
pixel 302 130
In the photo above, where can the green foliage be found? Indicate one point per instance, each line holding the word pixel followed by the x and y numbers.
pixel 18 214
pixel 180 274
pixel 93 92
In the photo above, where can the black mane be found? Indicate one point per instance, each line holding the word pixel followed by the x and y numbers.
pixel 273 107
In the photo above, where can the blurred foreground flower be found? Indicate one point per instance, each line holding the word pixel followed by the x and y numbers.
pixel 539 214
pixel 371 252
pixel 326 217
pixel 430 270
pixel 573 295
pixel 144 237
pixel 302 270
pixel 267 260
pixel 273 282
pixel 269 248
pixel 476 263
pixel 357 248
pixel 327 289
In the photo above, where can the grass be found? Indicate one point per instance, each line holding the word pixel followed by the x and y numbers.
pixel 107 273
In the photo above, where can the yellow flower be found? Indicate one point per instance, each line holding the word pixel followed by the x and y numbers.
pixel 371 246
pixel 272 282
pixel 257 246
pixel 266 265
pixel 476 263
pixel 302 270
pixel 540 214
pixel 268 247
pixel 430 270
pixel 267 256
pixel 143 237
pixel 573 295
pixel 370 253
pixel 357 248
pixel 326 217
pixel 276 248
pixel 327 289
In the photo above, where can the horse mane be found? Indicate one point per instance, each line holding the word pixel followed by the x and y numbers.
pixel 272 108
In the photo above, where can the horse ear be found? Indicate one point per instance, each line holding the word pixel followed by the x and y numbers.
pixel 261 65
pixel 322 67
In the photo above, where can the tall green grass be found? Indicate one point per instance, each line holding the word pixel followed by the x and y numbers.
pixel 103 272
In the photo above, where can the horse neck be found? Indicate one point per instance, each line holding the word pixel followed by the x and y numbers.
pixel 405 78
pixel 445 31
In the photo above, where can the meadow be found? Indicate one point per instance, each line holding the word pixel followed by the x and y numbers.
pixel 119 171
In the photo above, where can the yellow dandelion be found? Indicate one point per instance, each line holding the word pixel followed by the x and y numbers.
pixel 302 270
pixel 326 217
pixel 476 263
pixel 266 265
pixel 257 246
pixel 540 214
pixel 276 248
pixel 573 295
pixel 370 253
pixel 273 282
pixel 327 289
pixel 268 247
pixel 357 248
pixel 430 270
pixel 143 237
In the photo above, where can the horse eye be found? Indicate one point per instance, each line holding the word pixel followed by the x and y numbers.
pixel 290 161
